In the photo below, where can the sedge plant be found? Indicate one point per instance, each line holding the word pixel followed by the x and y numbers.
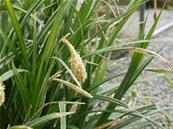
pixel 53 60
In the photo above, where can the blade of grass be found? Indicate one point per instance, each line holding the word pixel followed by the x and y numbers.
pixel 74 87
pixel 106 79
pixel 9 74
pixel 111 100
pixel 44 119
pixel 21 85
pixel 62 108
pixel 18 30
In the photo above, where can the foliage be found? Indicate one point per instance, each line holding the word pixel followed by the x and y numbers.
pixel 42 90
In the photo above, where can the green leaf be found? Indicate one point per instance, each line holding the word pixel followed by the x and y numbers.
pixel 21 85
pixel 9 74
pixel 18 30
pixel 159 70
pixel 74 87
pixel 111 100
pixel 106 79
pixel 44 119
pixel 62 108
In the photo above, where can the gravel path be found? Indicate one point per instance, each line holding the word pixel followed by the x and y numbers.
pixel 153 88
pixel 157 86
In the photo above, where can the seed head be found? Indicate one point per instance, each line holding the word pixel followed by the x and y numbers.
pixel 2 93
pixel 76 63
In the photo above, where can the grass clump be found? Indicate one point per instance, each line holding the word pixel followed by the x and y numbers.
pixel 50 84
